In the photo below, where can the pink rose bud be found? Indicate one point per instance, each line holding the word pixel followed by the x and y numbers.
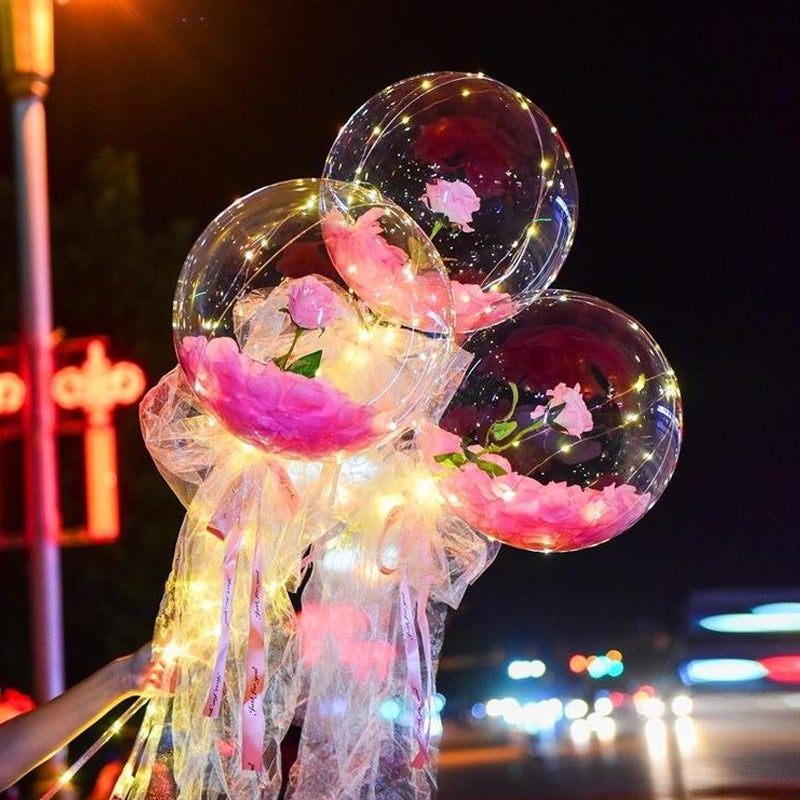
pixel 454 200
pixel 575 416
pixel 312 304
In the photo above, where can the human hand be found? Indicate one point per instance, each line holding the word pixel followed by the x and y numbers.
pixel 146 673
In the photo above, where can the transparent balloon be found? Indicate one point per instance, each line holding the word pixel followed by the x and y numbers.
pixel 482 170
pixel 282 349
pixel 565 430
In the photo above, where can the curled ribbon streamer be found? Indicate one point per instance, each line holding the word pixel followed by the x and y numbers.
pixel 253 724
pixel 411 644
pixel 241 499
pixel 405 526
pixel 227 526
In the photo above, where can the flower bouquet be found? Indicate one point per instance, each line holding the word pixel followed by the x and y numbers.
pixel 329 439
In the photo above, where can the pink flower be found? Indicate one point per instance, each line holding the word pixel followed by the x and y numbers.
pixel 342 630
pixel 477 309
pixel 313 304
pixel 377 272
pixel 546 517
pixel 358 249
pixel 433 441
pixel 380 273
pixel 281 411
pixel 454 200
pixel 575 416
pixel 523 512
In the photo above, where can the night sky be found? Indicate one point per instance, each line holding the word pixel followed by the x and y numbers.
pixel 682 132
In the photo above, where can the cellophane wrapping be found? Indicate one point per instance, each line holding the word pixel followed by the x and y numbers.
pixel 378 564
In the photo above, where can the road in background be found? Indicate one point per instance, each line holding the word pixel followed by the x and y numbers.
pixel 738 746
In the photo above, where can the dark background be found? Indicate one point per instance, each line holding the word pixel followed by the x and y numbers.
pixel 683 130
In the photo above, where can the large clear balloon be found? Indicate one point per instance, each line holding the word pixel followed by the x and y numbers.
pixel 483 171
pixel 279 342
pixel 565 430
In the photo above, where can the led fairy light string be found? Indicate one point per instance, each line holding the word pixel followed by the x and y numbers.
pixel 167 658
pixel 262 490
pixel 111 731
pixel 318 436
pixel 392 547
pixel 590 434
pixel 251 498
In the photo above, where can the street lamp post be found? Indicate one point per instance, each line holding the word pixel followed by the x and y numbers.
pixel 26 28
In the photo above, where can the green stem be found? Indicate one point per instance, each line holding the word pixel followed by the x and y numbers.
pixel 498 448
pixel 284 360
pixel 538 423
pixel 437 226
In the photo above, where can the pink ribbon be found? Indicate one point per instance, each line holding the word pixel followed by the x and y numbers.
pixel 420 710
pixel 228 524
pixel 425 638
pixel 253 724
pixel 225 525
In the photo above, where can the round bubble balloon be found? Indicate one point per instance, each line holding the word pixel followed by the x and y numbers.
pixel 565 430
pixel 482 170
pixel 282 349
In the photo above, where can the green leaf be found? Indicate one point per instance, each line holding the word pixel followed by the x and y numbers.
pixel 495 470
pixel 470 456
pixel 459 459
pixel 500 430
pixel 306 365
pixel 451 459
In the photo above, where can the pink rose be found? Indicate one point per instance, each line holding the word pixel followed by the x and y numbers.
pixel 453 199
pixel 379 272
pixel 313 304
pixel 475 308
pixel 434 441
pixel 523 512
pixel 575 416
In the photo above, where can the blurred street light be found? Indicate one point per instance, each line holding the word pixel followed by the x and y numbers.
pixel 519 669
